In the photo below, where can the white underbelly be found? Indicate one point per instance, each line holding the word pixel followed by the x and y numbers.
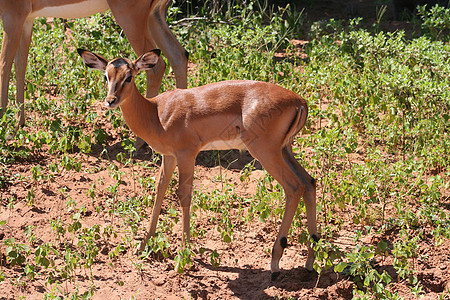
pixel 225 145
pixel 76 10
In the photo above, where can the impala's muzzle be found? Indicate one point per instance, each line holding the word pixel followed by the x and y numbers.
pixel 111 102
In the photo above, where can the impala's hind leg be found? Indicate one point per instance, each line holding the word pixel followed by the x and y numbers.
pixel 277 166
pixel 21 67
pixel 141 41
pixel 309 197
pixel 12 37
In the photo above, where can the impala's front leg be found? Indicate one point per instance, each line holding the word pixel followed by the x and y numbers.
pixel 186 177
pixel 165 174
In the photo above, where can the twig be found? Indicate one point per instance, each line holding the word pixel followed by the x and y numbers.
pixel 195 19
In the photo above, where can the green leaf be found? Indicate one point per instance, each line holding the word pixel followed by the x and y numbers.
pixel 226 238
pixel 340 267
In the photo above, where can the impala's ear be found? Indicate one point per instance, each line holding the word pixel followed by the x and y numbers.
pixel 93 60
pixel 147 60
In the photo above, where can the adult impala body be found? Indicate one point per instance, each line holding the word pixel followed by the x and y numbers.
pixel 143 22
pixel 257 116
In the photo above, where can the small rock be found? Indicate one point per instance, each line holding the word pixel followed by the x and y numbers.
pixel 172 273
pixel 159 281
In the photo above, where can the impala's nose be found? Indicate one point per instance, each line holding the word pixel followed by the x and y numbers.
pixel 111 101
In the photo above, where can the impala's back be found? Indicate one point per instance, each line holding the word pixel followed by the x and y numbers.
pixel 235 112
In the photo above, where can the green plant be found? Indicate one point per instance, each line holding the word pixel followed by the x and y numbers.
pixel 30 234
pixel 435 20
pixel 16 254
pixel 215 259
pixel 326 254
pixel 157 246
pixel 43 255
pixel 366 276
pixel 117 251
pixel 183 261
pixel 403 251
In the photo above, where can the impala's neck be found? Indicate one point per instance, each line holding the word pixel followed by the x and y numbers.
pixel 141 115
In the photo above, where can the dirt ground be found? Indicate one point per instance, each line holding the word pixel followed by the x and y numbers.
pixel 244 271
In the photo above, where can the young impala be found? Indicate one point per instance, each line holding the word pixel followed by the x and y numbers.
pixel 143 22
pixel 258 116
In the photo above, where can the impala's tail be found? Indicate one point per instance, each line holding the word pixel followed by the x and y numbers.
pixel 297 124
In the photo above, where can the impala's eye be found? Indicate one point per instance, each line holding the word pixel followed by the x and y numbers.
pixel 128 79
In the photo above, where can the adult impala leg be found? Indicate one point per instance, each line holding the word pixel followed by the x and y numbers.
pixel 141 41
pixel 141 44
pixel 166 41
pixel 11 40
pixel 147 29
pixel 155 33
pixel 165 174
pixel 21 67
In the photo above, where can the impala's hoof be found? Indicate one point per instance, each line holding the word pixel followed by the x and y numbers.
pixel 275 276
